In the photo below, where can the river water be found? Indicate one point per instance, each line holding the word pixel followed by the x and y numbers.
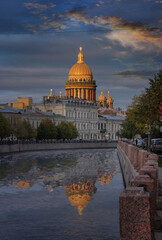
pixel 60 195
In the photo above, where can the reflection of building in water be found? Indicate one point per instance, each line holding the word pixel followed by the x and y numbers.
pixel 80 194
pixel 21 184
pixel 105 177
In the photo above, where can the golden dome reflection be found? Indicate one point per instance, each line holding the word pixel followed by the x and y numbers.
pixel 21 184
pixel 80 194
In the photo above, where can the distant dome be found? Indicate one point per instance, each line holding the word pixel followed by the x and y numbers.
pixel 80 70
pixel 101 97
pixel 109 99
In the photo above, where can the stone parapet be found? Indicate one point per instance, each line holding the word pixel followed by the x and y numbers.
pixel 135 202
pixel 135 214
pixel 54 146
pixel 149 185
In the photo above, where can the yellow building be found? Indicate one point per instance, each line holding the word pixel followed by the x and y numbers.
pixel 22 103
pixel 80 84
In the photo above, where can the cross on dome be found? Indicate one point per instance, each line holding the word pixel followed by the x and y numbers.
pixel 80 56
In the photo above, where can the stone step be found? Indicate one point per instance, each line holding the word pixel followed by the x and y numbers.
pixel 160 215
pixel 159 203
pixel 160 192
pixel 158 235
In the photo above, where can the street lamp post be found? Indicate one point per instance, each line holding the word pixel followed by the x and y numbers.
pixel 149 137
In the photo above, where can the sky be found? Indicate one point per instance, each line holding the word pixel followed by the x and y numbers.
pixel 40 40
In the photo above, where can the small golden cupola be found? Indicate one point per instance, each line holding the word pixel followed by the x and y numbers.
pixel 105 102
pixel 109 101
pixel 80 84
pixel 101 100
pixel 51 94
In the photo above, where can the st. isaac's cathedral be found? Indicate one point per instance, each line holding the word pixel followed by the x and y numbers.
pixel 94 119
pixel 81 86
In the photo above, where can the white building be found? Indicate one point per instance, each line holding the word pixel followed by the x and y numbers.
pixel 109 126
pixel 83 115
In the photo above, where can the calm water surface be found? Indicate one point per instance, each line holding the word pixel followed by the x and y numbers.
pixel 62 195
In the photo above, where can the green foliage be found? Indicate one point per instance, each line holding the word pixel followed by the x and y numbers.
pixel 66 130
pixel 46 130
pixel 19 129
pixel 128 130
pixel 5 127
pixel 23 130
pixel 30 131
pixel 144 111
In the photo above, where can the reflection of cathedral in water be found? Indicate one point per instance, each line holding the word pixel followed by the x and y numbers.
pixel 80 194
pixel 78 178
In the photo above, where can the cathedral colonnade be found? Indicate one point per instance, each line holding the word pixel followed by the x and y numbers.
pixel 88 94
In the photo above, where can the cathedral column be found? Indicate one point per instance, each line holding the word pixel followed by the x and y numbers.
pixel 87 94
pixel 74 92
pixel 93 95
pixel 69 93
pixel 66 92
pixel 78 92
pixel 82 93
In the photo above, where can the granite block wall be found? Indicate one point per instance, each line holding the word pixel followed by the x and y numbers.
pixel 138 216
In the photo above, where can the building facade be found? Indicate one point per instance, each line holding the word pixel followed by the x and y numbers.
pixel 82 114
pixel 109 126
pixel 22 103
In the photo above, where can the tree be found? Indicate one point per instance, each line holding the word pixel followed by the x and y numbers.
pixel 73 130
pixel 128 130
pixel 19 129
pixel 66 130
pixel 5 127
pixel 144 112
pixel 30 131
pixel 46 130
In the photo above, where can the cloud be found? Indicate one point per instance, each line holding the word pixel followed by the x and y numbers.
pixel 79 16
pixel 37 6
pixel 135 73
pixel 98 38
pixel 48 20
pixel 137 36
pixel 107 47
pixel 21 78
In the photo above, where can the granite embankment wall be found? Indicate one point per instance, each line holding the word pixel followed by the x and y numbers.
pixel 22 147
pixel 138 216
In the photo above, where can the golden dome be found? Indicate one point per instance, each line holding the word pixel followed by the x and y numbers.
pixel 80 70
pixel 51 94
pixel 109 99
pixel 101 97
